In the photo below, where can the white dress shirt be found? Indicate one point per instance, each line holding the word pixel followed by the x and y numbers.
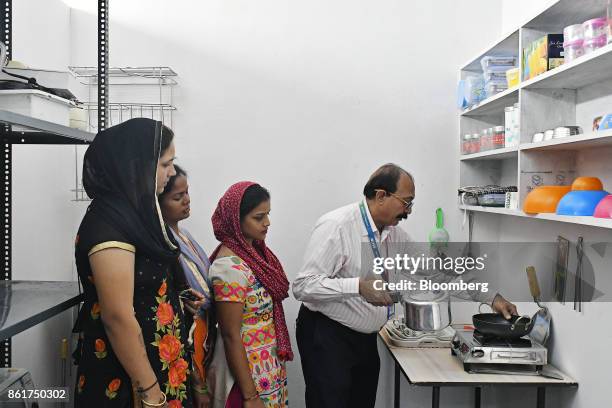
pixel 328 281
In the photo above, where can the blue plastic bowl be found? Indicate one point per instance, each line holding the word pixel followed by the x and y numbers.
pixel 580 202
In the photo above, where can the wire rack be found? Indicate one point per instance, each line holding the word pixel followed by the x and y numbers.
pixel 134 92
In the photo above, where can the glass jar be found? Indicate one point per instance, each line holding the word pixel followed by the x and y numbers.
pixel 466 144
pixel 499 138
pixel 475 143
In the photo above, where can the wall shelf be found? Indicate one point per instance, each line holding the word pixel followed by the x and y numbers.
pixel 573 94
pixel 494 104
pixel 497 154
pixel 587 70
pixel 33 130
pixel 578 142
pixel 27 303
pixel 590 221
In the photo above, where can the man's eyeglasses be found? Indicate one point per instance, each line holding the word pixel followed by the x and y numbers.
pixel 407 204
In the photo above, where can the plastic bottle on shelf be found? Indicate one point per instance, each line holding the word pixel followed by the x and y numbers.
pixel 508 129
pixel 516 124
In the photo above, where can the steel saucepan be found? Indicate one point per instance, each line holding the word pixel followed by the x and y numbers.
pixel 427 312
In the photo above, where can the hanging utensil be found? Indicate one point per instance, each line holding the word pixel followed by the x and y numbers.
pixel 578 278
pixel 560 278
pixel 541 320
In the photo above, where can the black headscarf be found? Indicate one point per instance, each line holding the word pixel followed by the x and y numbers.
pixel 119 174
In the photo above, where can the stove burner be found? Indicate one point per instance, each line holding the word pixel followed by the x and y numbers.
pixel 493 341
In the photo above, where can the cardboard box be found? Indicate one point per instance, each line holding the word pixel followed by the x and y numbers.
pixel 542 55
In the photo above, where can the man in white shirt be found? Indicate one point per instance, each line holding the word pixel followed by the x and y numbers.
pixel 342 311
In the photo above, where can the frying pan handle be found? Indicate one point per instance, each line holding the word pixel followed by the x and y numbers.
pixel 516 322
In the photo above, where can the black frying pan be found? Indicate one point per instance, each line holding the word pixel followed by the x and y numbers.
pixel 493 324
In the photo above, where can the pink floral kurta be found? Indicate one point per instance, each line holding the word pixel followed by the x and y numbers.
pixel 233 281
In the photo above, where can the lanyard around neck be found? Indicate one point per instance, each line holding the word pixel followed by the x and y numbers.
pixel 368 226
pixel 375 250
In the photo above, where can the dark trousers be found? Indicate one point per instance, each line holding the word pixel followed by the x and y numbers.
pixel 340 365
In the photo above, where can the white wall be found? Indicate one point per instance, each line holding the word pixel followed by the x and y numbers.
pixel 517 12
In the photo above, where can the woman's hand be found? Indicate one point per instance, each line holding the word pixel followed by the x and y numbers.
pixel 192 306
pixel 201 400
pixel 255 403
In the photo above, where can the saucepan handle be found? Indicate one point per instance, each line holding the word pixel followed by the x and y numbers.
pixel 485 304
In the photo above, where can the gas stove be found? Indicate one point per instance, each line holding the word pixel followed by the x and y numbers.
pixel 480 353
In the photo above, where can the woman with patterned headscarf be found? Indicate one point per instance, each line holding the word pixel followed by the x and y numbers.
pixel 249 284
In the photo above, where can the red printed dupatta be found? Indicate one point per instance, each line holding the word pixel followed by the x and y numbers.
pixel 262 261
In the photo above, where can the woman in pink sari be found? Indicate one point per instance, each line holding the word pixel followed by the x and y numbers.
pixel 249 284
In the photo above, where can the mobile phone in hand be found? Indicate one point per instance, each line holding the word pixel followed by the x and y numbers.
pixel 188 295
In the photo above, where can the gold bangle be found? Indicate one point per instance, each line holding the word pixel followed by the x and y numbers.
pixel 252 397
pixel 161 404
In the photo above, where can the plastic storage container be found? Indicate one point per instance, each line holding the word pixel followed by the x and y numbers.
pixel 595 43
pixel 516 123
pixel 595 28
pixel 490 61
pixel 475 143
pixel 37 104
pixel 474 90
pixel 495 76
pixel 492 88
pixel 499 138
pixel 508 117
pixel 573 49
pixel 573 33
pixel 609 13
pixel 512 77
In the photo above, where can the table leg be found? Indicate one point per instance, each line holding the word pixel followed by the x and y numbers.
pixel 477 397
pixel 396 387
pixel 435 397
pixel 541 397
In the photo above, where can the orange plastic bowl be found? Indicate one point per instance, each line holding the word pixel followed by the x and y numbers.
pixel 587 183
pixel 544 199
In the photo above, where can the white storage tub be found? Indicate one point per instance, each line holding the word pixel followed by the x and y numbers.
pixel 37 104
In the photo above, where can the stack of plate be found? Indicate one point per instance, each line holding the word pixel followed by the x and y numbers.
pixel 565 131
pixel 401 336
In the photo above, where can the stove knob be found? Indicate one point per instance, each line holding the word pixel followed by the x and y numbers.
pixel 477 353
pixel 456 343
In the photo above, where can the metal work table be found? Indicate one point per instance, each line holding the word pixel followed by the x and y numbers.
pixel 436 367
pixel 24 304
